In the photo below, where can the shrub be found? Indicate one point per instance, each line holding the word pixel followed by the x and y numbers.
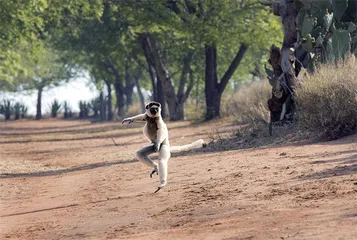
pixel 249 103
pixel 55 108
pixel 327 100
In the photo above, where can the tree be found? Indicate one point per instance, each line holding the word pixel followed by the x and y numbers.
pixel 44 69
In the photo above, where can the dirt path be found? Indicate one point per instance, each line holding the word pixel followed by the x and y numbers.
pixel 67 180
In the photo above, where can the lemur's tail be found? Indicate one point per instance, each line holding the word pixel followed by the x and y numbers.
pixel 196 144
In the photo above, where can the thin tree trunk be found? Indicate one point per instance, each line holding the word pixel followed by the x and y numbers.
pixel 119 89
pixel 39 104
pixel 153 78
pixel 129 87
pixel 101 110
pixel 140 93
pixel 177 111
pixel 109 103
pixel 120 98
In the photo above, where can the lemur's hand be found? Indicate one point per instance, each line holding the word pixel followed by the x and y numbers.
pixel 156 146
pixel 129 120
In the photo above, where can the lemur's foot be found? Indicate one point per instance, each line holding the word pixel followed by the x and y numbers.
pixel 158 189
pixel 153 172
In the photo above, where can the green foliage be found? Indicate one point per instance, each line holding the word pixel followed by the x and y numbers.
pixel 55 108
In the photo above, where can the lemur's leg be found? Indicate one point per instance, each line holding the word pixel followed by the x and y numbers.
pixel 163 162
pixel 142 156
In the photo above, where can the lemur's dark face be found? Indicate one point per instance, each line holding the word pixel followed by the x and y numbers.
pixel 153 109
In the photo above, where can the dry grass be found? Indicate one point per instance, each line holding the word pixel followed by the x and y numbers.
pixel 249 103
pixel 194 110
pixel 327 100
pixel 134 109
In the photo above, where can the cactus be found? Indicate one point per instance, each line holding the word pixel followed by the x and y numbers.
pixel 23 109
pixel 17 110
pixel 6 109
pixel 322 27
pixel 84 109
pixel 67 110
pixel 55 108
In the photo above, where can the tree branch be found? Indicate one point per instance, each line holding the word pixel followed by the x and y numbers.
pixel 190 85
pixel 232 68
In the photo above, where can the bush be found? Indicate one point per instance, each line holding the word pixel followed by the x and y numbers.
pixel 327 100
pixel 55 108
pixel 249 103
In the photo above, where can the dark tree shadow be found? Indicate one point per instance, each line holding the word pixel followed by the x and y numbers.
pixel 40 210
pixel 67 170
pixel 333 172
pixel 71 131
pixel 114 135
pixel 48 128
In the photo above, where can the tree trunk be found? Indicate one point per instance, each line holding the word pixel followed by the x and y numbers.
pixel 101 103
pixel 157 69
pixel 129 87
pixel 213 89
pixel 109 103
pixel 164 86
pixel 176 111
pixel 212 94
pixel 120 98
pixel 39 104
pixel 119 89
pixel 153 78
pixel 283 62
pixel 140 93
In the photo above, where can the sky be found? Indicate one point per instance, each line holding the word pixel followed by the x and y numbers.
pixel 73 91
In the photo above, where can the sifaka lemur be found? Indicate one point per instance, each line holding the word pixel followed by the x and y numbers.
pixel 156 132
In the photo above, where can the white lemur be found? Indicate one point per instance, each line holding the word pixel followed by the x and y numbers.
pixel 156 132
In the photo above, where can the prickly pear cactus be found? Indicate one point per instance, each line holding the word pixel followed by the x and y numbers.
pixel 326 27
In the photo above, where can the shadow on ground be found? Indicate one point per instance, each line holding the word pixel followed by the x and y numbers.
pixel 67 170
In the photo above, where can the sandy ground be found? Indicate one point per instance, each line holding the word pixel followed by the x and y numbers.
pixel 67 180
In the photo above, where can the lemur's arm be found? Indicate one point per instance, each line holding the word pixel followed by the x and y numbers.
pixel 162 134
pixel 140 117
